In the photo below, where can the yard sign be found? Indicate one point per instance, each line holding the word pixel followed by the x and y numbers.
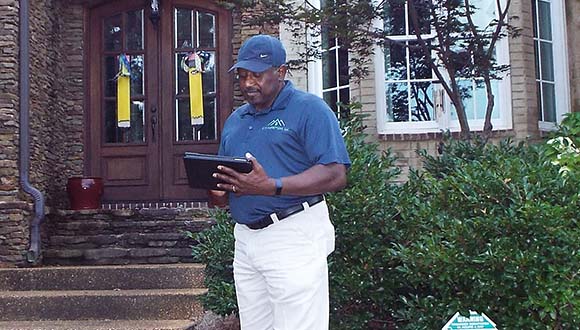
pixel 473 322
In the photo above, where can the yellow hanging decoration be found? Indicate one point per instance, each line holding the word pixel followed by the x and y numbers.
pixel 124 93
pixel 192 65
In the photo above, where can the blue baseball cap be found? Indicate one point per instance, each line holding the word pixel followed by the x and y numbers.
pixel 259 53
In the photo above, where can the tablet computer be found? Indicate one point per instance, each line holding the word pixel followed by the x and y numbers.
pixel 200 167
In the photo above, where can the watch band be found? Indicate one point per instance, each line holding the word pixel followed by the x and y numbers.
pixel 278 186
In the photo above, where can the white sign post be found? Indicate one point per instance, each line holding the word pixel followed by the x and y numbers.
pixel 473 322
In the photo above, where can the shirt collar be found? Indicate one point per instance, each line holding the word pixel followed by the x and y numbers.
pixel 280 102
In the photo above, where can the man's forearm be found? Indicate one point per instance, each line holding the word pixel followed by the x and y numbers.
pixel 318 179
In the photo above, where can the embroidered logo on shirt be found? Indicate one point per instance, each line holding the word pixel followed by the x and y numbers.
pixel 276 124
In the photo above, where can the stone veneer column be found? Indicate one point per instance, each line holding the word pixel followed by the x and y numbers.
pixel 14 211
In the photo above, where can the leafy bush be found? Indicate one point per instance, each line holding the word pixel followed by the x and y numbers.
pixel 492 228
pixel 564 147
pixel 215 249
pixel 360 282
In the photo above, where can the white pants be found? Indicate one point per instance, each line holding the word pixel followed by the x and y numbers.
pixel 281 273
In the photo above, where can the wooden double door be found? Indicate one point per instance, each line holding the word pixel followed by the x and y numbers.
pixel 143 162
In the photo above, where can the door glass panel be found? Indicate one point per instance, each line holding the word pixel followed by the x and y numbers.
pixel 124 35
pixel 183 28
pixel 206 23
pixel 132 134
pixel 137 67
pixel 185 37
pixel 112 33
pixel 111 70
pixel 135 30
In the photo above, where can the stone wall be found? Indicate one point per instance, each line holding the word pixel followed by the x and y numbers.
pixel 108 237
pixel 14 206
pixel 55 86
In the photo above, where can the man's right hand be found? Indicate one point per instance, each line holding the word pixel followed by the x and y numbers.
pixel 217 198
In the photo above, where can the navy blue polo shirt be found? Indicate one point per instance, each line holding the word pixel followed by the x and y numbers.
pixel 296 133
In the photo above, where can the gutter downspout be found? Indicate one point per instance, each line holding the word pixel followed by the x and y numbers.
pixel 33 253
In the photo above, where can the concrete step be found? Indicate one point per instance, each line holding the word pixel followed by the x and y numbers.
pixel 98 325
pixel 126 277
pixel 167 304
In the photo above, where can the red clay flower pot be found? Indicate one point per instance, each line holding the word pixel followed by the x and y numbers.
pixel 84 193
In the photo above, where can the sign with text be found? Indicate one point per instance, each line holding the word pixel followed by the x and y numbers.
pixel 473 322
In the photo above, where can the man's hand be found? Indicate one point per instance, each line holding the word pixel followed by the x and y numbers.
pixel 257 182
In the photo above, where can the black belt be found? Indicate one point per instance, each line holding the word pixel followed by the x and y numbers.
pixel 285 213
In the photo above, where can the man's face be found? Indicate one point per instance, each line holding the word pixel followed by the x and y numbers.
pixel 261 88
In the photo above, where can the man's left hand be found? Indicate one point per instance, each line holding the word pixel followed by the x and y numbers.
pixel 257 182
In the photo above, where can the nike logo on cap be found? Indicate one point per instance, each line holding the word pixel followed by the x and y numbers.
pixel 263 55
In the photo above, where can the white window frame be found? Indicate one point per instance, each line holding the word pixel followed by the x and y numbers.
pixel 443 120
pixel 561 77
pixel 315 69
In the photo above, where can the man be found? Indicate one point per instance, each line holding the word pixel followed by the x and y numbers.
pixel 283 232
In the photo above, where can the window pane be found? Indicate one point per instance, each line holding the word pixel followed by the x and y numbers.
pixel 331 99
pixel 537 59
pixel 422 104
pixel 329 69
pixel 549 102
pixel 395 61
pixel 137 122
pixel 423 14
pixel 344 98
pixel 111 69
pixel 206 30
pixel 137 70
pixel 208 130
pixel 342 67
pixel 535 15
pixel 394 18
pixel 547 59
pixel 397 102
pixel 466 91
pixel 135 30
pixel 184 127
pixel 481 100
pixel 418 65
pixel 539 100
pixel 133 134
pixel 183 28
pixel 112 33
pixel 187 132
pixel 209 77
pixel 545 20
pixel 182 81
pixel 484 13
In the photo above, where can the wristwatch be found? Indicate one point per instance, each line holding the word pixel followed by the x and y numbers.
pixel 278 186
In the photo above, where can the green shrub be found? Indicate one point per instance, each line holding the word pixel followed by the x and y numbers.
pixel 215 249
pixel 491 228
pixel 360 282
pixel 564 147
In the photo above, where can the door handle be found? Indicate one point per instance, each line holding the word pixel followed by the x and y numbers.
pixel 153 123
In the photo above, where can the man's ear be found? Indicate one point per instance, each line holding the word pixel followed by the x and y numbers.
pixel 282 72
